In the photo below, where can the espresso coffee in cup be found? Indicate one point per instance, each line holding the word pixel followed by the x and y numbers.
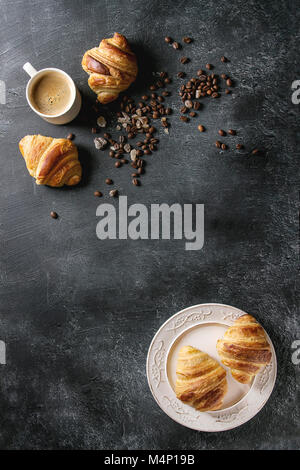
pixel 51 93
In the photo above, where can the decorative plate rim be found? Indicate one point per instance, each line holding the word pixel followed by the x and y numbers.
pixel 213 421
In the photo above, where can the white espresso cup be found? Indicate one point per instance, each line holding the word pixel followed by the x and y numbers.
pixel 72 107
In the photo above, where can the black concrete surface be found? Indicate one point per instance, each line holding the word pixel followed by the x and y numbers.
pixel 77 313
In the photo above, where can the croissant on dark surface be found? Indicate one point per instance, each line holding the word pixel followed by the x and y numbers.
pixel 51 161
pixel 201 380
pixel 244 349
pixel 112 67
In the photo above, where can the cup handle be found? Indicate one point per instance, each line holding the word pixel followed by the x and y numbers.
pixel 29 69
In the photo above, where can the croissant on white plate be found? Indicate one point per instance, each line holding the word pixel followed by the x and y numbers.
pixel 201 380
pixel 244 349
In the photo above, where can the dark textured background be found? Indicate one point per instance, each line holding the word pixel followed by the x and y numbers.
pixel 78 314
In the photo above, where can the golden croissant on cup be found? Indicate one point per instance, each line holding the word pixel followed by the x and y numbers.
pixel 112 67
pixel 51 161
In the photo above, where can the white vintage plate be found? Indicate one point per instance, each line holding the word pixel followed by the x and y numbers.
pixel 201 326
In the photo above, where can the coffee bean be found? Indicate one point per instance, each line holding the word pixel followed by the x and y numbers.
pixel 111 154
pixel 201 128
pixel 152 87
pixel 108 181
pixel 97 193
pixel 255 151
pixel 192 114
pixel 175 45
pixel 224 59
pixel 196 105
pixel 181 75
pixel 54 215
pixel 239 146
pixel 168 111
pixel 94 130
pixel 229 82
pixel 140 171
pixel 231 132
pixel 106 135
pixel 215 95
pixel 224 76
pixel 221 132
pixel 227 91
pixel 166 93
pixel 208 66
pixel 113 193
pixel 201 72
pixel 124 161
pixel 167 80
pixel 223 146
pixel 118 164
pixel 184 60
pixel 135 182
pixel 218 144
pixel 168 39
pixel 70 136
pixel 184 118
pixel 187 40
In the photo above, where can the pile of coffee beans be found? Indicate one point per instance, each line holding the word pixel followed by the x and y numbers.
pixel 138 120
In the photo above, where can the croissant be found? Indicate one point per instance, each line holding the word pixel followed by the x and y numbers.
pixel 244 349
pixel 112 67
pixel 201 381
pixel 51 161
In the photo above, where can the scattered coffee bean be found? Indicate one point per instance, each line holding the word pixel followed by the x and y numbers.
pixel 224 147
pixel 184 118
pixel 227 91
pixel 239 146
pixel 106 135
pixel 201 128
pixel 54 215
pixel 231 132
pixel 70 136
pixel 94 130
pixel 108 181
pixel 255 151
pixel 181 75
pixel 118 164
pixel 184 60
pixel 208 66
pixel 218 144
pixel 97 193
pixel 229 82
pixel 167 80
pixel 187 40
pixel 192 114
pixel 168 40
pixel 224 59
pixel 124 161
pixel 101 121
pixel 221 132
pixel 175 45
pixel 113 193
pixel 135 182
